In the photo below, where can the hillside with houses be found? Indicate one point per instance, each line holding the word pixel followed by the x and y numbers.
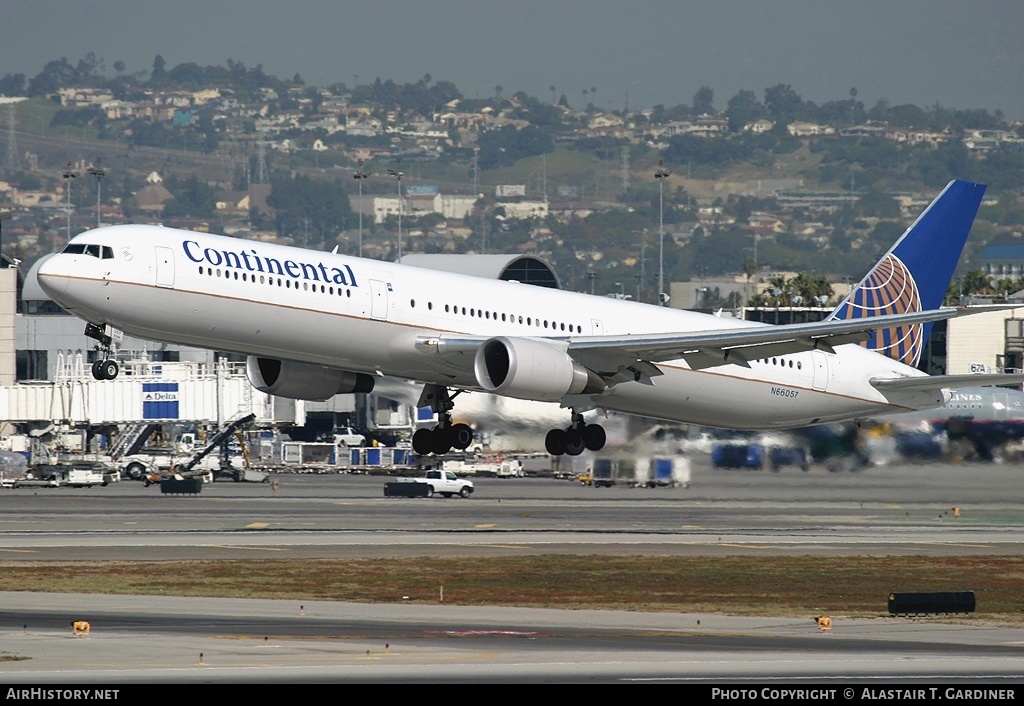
pixel 704 192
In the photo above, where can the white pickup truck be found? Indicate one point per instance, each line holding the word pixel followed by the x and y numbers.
pixel 446 483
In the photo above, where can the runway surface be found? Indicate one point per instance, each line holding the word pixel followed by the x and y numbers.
pixel 880 511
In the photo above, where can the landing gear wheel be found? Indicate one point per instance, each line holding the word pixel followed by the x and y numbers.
pixel 555 442
pixel 104 369
pixel 462 436
pixel 594 437
pixel 574 445
pixel 110 369
pixel 442 438
pixel 422 442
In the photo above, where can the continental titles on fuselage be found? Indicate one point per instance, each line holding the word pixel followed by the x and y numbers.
pixel 254 262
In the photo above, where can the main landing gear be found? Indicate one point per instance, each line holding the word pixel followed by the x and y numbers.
pixel 106 367
pixel 445 436
pixel 574 439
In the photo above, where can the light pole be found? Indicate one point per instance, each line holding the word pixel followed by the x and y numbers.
pixel 398 175
pixel 661 174
pixel 359 176
pixel 99 172
pixel 68 175
pixel 643 255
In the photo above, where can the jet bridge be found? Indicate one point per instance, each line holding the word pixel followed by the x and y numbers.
pixel 146 393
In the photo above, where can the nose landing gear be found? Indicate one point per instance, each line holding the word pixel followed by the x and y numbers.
pixel 105 368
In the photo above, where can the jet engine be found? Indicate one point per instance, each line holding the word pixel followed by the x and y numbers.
pixel 531 370
pixel 301 381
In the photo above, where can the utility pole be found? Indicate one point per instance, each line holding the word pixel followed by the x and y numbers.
pixel 661 174
pixel 359 176
pixel 99 172
pixel 398 176
pixel 69 174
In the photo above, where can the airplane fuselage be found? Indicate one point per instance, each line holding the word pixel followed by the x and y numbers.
pixel 382 318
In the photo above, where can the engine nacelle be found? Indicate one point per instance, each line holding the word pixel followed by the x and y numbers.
pixel 301 381
pixel 531 370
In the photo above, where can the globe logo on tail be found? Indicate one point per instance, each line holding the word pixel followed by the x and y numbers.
pixel 890 289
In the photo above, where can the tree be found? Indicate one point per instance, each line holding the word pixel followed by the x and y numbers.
pixel 192 197
pixel 703 101
pixel 507 145
pixel 309 209
pixel 802 290
pixel 12 85
pixel 782 102
pixel 159 69
pixel 743 109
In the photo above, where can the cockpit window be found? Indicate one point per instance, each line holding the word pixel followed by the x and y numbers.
pixel 103 252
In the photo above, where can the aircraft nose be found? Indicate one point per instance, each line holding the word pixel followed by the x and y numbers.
pixel 53 275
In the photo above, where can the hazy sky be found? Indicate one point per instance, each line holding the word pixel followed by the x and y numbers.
pixel 959 54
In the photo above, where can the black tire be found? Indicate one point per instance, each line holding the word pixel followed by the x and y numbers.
pixel 465 492
pixel 594 437
pixel 430 491
pixel 135 470
pixel 574 445
pixel 97 371
pixel 441 440
pixel 109 369
pixel 447 495
pixel 422 442
pixel 462 436
pixel 555 442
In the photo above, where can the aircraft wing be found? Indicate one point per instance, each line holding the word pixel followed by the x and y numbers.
pixel 705 349
pixel 620 358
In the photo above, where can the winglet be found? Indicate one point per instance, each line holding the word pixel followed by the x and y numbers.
pixel 915 273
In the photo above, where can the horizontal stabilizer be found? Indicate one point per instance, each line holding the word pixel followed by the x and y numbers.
pixel 934 382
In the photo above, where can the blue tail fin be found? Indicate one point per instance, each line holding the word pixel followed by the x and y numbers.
pixel 915 274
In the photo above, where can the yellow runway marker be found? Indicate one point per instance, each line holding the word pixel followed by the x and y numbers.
pixel 233 546
pixel 487 526
pixel 19 551
pixel 258 525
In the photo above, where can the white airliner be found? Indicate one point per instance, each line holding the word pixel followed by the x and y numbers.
pixel 317 324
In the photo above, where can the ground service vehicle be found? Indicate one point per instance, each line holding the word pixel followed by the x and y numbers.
pixel 445 483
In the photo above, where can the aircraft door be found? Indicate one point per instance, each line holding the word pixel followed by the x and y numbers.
pixel 596 327
pixel 819 364
pixel 164 267
pixel 378 300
